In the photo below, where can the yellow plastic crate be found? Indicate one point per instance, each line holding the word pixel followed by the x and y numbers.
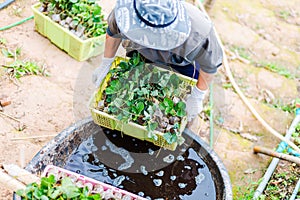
pixel 131 128
pixel 77 48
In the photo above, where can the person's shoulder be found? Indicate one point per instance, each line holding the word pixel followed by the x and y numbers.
pixel 190 7
pixel 192 10
pixel 200 23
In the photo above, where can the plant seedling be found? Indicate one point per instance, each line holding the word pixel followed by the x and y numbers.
pixel 84 18
pixel 19 68
pixel 50 188
pixel 154 100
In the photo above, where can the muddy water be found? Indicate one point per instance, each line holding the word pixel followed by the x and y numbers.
pixel 142 168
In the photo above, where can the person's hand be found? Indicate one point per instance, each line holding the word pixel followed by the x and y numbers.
pixel 194 103
pixel 101 71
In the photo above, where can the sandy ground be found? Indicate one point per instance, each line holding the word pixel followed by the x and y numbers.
pixel 268 31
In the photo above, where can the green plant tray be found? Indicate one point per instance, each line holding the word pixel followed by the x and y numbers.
pixel 130 128
pixel 77 48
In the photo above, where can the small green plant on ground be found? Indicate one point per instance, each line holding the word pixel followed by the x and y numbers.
pixel 3 41
pixel 241 51
pixel 17 10
pixel 296 135
pixel 273 67
pixel 284 14
pixel 18 68
pixel 84 18
pixel 227 85
pixel 283 181
pixel 247 193
pixel 154 100
pixel 278 104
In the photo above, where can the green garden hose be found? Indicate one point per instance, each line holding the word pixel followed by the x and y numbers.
pixel 16 23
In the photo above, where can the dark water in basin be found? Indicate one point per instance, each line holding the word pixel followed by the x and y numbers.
pixel 143 168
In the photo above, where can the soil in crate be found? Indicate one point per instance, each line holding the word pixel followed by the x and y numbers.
pixel 142 168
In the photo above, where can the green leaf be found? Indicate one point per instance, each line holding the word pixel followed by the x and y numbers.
pixel 139 92
pixel 54 193
pixel 163 81
pixel 3 41
pixel 168 103
pixel 118 102
pixel 145 91
pixel 124 65
pixel 140 107
pixel 151 109
pixel 152 135
pixel 152 126
pixel 180 109
pixel 47 182
pixel 170 138
pixel 7 53
pixel 114 87
pixel 68 188
pixel 84 192
pixel 20 192
pixel 95 197
pixel 30 188
pixel 97 10
pixel 37 193
pixel 119 116
pixel 154 93
pixel 147 116
pixel 43 197
pixel 18 51
pixel 135 59
pixel 176 126
pixel 174 80
pixel 112 109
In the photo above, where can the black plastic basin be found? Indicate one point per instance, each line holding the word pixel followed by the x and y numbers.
pixel 59 150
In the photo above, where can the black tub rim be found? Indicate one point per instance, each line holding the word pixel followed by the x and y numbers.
pixel 227 190
pixel 222 169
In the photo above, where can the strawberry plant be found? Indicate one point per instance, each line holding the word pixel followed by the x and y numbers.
pixel 51 188
pixel 61 185
pixel 84 18
pixel 143 94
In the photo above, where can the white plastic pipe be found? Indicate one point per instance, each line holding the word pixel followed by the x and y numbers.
pixel 275 161
pixel 296 190
pixel 242 96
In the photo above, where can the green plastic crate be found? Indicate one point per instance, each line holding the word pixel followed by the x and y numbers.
pixel 132 129
pixel 77 48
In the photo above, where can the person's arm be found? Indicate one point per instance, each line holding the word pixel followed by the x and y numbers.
pixel 111 46
pixel 110 50
pixel 209 61
pixel 112 43
pixel 194 101
pixel 204 79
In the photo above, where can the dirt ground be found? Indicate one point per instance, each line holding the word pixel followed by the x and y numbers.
pixel 260 31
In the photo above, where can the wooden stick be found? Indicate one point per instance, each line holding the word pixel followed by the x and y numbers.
pixel 9 182
pixel 33 137
pixel 10 117
pixel 20 174
pixel 4 102
pixel 269 152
